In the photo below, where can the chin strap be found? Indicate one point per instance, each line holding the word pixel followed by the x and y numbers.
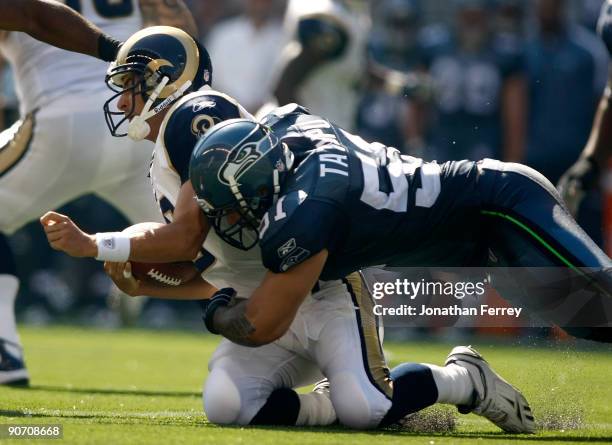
pixel 139 128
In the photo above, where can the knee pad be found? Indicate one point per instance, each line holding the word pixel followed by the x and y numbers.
pixel 358 404
pixel 221 398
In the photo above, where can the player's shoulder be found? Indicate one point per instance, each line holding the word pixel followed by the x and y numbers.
pixel 206 102
pixel 321 174
pixel 190 118
pixel 295 228
pixel 308 215
pixel 284 113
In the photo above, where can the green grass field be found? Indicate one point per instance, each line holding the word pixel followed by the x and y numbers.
pixel 141 387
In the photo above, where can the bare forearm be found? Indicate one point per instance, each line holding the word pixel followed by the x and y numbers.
pixel 232 323
pixel 51 22
pixel 168 243
pixel 599 145
pixel 296 70
pixel 514 118
pixel 169 13
pixel 197 289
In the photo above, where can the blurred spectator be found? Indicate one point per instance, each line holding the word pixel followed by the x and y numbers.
pixel 480 103
pixel 510 18
pixel 384 114
pixel 394 41
pixel 323 65
pixel 567 73
pixel 244 48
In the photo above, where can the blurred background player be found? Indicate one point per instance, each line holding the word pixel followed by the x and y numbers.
pixel 256 38
pixel 580 184
pixel 480 103
pixel 566 66
pixel 397 88
pixel 322 65
pixel 60 149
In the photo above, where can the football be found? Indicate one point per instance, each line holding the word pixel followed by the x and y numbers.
pixel 167 274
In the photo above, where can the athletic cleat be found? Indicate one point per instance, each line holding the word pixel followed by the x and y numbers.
pixel 494 398
pixel 12 368
pixel 322 387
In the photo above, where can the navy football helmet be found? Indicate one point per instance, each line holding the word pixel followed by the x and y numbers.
pixel 236 170
pixel 161 63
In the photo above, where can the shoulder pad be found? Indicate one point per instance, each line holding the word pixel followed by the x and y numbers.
pixel 604 24
pixel 279 113
pixel 295 229
pixel 323 34
pixel 190 119
pixel 323 173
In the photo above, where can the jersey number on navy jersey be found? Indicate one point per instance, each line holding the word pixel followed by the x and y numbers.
pixel 385 170
pixel 106 8
pixel 380 162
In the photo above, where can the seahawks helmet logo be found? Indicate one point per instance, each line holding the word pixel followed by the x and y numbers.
pixel 242 158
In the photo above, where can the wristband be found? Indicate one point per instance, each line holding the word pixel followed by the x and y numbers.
pixel 113 247
pixel 221 298
pixel 108 48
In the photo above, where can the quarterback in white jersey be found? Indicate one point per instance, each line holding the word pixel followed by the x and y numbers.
pixel 189 118
pixel 333 332
pixel 59 149
pixel 323 64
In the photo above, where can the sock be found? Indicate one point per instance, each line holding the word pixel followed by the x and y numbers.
pixel 454 384
pixel 9 284
pixel 286 407
pixel 281 408
pixel 414 388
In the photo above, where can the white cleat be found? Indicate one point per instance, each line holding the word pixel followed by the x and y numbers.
pixel 494 398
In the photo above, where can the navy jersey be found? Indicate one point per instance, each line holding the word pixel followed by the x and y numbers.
pixel 365 203
pixel 574 63
pixel 469 94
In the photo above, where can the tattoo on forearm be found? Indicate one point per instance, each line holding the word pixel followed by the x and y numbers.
pixel 170 13
pixel 232 323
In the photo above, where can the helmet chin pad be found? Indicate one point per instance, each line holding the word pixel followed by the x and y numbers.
pixel 138 129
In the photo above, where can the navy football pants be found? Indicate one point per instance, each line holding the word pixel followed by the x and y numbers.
pixel 543 259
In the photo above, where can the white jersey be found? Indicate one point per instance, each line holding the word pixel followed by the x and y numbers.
pixel 44 73
pixel 331 90
pixel 222 264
